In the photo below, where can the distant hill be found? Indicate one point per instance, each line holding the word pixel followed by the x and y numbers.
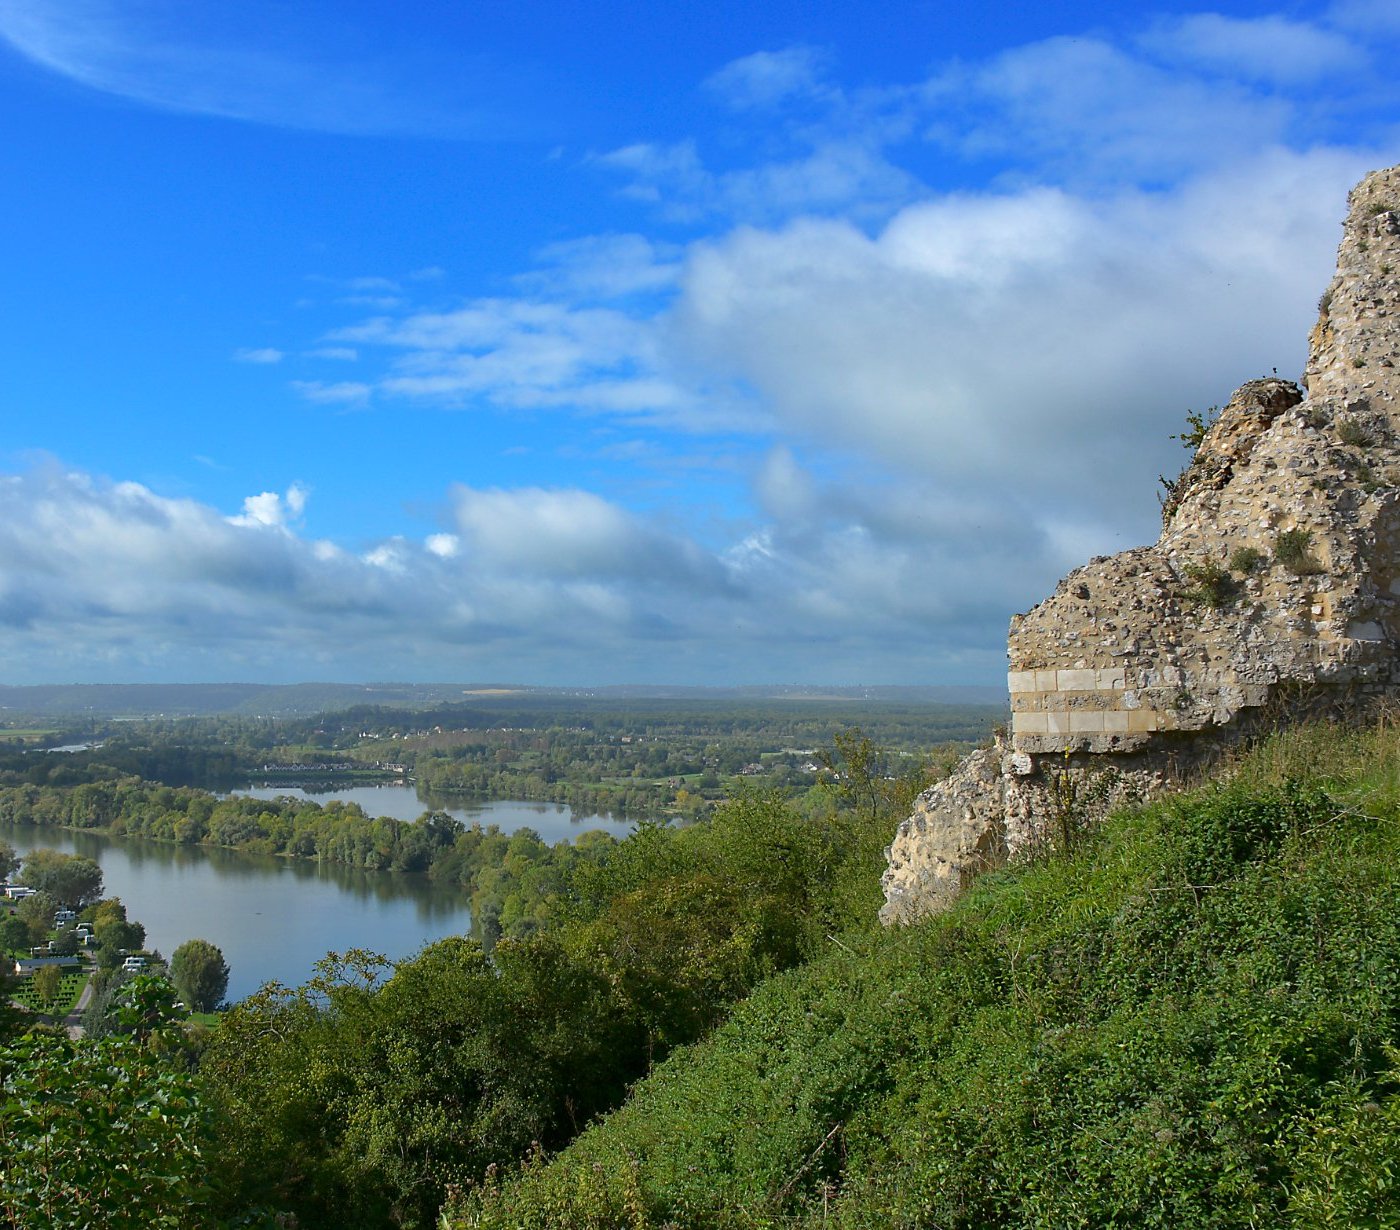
pixel 302 699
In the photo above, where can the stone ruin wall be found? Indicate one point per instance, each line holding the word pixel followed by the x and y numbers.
pixel 1151 662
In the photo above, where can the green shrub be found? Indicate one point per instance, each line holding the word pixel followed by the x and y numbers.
pixel 1245 560
pixel 1292 550
pixel 1354 432
pixel 1211 585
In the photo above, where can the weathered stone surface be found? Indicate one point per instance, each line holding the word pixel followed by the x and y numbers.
pixel 1274 589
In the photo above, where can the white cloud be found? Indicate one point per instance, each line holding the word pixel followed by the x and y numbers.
pixel 766 78
pixel 337 354
pixel 835 173
pixel 521 353
pixel 444 546
pixel 535 584
pixel 606 267
pixel 270 510
pixel 566 533
pixel 1270 48
pixel 261 355
pixel 1083 109
pixel 1034 342
pixel 336 393
pixel 952 396
pixel 271 67
pixel 1366 17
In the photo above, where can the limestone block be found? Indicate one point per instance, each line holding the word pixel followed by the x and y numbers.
pixel 1076 680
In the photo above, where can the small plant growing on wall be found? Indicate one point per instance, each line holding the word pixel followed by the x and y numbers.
pixel 1211 585
pixel 1354 432
pixel 1198 422
pixel 1246 560
pixel 1291 549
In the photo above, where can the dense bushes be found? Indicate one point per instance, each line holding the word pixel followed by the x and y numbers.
pixel 104 1133
pixel 365 1096
pixel 1192 1021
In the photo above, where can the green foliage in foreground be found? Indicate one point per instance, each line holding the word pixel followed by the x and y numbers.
pixel 366 1096
pixel 106 1133
pixel 1192 1020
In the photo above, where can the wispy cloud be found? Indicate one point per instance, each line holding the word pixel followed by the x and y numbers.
pixel 1271 48
pixel 335 393
pixel 261 354
pixel 265 69
pixel 767 78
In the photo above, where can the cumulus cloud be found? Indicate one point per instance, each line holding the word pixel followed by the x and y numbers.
pixel 271 510
pixel 575 533
pixel 1032 341
pixel 1037 341
pixel 940 400
pixel 101 577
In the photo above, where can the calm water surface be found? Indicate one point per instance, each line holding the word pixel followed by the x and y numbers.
pixel 272 918
pixel 551 821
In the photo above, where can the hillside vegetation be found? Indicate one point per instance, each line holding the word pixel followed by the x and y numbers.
pixel 1187 1020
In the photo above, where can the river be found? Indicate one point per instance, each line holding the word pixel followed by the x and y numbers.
pixel 552 821
pixel 273 918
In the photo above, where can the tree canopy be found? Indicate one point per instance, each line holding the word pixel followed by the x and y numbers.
pixel 70 879
pixel 200 974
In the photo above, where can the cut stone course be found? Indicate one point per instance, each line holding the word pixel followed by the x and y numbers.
pixel 1273 593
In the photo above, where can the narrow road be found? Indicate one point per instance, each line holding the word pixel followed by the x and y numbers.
pixel 73 1021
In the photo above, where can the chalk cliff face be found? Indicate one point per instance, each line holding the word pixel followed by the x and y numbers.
pixel 1274 590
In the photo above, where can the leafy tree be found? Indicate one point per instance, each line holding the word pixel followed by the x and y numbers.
pixel 37 913
pixel 357 1100
pixel 115 934
pixel 14 934
pixel 71 880
pixel 45 980
pixel 9 860
pixel 65 943
pixel 200 974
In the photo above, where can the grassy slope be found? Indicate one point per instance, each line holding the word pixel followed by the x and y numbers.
pixel 1189 1022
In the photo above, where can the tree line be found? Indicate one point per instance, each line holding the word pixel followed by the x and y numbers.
pixel 372 1094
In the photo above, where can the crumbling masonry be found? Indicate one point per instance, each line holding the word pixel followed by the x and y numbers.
pixel 1273 590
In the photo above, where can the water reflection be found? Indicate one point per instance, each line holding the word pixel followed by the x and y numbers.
pixel 272 917
pixel 554 822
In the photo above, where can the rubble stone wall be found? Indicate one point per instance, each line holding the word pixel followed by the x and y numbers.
pixel 1276 577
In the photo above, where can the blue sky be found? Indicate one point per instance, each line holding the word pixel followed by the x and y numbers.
pixel 583 344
